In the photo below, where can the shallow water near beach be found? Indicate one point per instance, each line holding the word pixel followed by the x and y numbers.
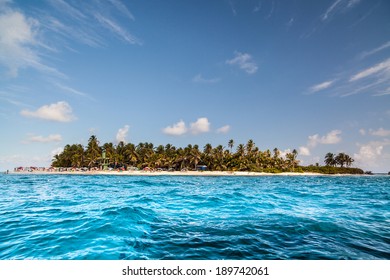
pixel 169 217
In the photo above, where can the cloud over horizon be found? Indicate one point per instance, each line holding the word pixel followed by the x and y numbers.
pixel 332 137
pixel 201 125
pixel 122 134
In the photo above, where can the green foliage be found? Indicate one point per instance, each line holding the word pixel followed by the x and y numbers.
pixel 247 157
pixel 332 170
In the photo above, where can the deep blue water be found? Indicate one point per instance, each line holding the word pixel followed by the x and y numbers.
pixel 131 217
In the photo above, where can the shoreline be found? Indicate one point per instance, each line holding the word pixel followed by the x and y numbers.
pixel 176 173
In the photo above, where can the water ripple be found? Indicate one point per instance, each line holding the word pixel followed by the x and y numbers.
pixel 120 217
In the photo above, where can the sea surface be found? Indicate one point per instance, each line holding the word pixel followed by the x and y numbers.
pixel 73 217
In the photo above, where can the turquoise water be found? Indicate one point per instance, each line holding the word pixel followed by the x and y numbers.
pixel 130 217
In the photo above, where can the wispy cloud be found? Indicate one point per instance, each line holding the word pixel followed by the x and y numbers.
pixel 380 132
pixel 85 35
pixel 60 112
pixel 72 91
pixel 352 3
pixel 67 9
pixel 374 79
pixel 115 28
pixel 382 67
pixel 258 7
pixel 337 6
pixel 84 15
pixel 122 8
pixel 383 92
pixel 321 86
pixel 331 10
pixel 374 51
pixel 233 8
pixel 200 79
pixel 42 139
pixel 244 61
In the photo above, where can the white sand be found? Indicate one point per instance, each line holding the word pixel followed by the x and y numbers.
pixel 173 173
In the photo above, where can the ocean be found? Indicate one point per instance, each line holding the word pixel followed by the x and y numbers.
pixel 85 217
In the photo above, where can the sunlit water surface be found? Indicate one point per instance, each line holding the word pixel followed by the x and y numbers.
pixel 169 217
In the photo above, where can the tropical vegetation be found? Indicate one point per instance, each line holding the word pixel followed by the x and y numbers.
pixel 245 157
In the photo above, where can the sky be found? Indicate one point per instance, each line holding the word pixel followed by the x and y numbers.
pixel 307 75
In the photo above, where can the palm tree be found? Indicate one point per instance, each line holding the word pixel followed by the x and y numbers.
pixel 291 159
pixel 249 147
pixel 246 158
pixel 130 154
pixel 231 144
pixel 195 155
pixel 343 158
pixel 93 151
pixel 218 158
pixel 330 159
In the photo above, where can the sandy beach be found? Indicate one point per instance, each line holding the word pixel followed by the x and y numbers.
pixel 168 173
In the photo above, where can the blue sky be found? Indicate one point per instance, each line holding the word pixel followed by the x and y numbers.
pixel 309 75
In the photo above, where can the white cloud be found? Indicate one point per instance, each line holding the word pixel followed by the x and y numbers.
pixel 176 129
pixel 362 131
pixel 284 152
pixel 202 125
pixel 313 140
pixel 19 44
pixel 200 79
pixel 371 154
pixel 224 129
pixel 380 68
pixel 60 112
pixel 330 138
pixel 17 38
pixel 122 134
pixel 42 139
pixel 321 86
pixel 244 61
pixel 304 151
pixel 380 132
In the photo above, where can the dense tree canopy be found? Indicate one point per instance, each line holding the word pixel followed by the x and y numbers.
pixel 246 157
